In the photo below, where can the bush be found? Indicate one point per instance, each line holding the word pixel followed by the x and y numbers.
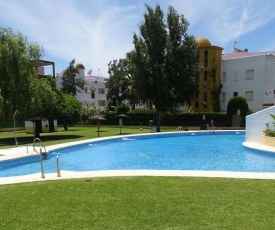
pixel 122 108
pixel 237 103
pixel 269 132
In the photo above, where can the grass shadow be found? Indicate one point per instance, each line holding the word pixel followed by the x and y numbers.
pixel 29 140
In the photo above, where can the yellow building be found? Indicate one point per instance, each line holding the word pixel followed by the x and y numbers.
pixel 210 58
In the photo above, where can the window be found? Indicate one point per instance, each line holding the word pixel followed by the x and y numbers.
pixel 249 74
pixel 224 76
pixel 101 91
pixel 223 96
pixel 92 93
pixel 235 94
pixel 205 100
pixel 101 103
pixel 86 89
pixel 235 75
pixel 249 95
pixel 205 79
pixel 205 58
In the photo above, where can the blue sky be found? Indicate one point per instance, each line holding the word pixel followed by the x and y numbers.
pixel 94 32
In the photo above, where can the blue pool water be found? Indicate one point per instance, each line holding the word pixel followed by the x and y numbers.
pixel 179 151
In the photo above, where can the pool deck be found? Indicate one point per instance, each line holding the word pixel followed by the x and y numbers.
pixel 24 151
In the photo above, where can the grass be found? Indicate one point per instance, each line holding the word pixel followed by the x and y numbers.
pixel 133 202
pixel 7 139
pixel 139 203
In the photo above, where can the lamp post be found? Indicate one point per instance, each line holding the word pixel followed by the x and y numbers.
pixel 87 104
pixel 16 111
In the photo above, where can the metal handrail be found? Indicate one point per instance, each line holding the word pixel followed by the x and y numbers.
pixel 41 155
pixel 41 145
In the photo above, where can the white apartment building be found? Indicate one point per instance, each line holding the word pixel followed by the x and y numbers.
pixel 250 75
pixel 94 90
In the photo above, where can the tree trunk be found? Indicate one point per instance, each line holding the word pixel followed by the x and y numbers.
pixel 158 119
pixel 38 128
pixel 65 125
pixel 51 125
pixel 133 106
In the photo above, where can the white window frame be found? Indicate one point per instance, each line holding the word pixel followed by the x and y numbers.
pixel 101 103
pixel 101 91
pixel 249 74
pixel 249 95
pixel 236 76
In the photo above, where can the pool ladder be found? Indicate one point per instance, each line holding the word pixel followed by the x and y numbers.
pixel 41 146
pixel 41 153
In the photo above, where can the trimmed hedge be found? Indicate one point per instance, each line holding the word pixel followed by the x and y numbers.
pixel 168 119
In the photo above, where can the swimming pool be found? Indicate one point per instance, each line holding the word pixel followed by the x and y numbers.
pixel 208 151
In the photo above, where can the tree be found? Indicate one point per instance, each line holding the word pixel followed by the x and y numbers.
pixel 117 81
pixel 71 85
pixel 165 61
pixel 17 73
pixel 120 83
pixel 69 110
pixel 235 104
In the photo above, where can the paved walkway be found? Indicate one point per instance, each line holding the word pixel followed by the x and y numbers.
pixel 23 151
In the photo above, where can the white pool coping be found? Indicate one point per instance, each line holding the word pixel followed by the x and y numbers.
pixel 25 151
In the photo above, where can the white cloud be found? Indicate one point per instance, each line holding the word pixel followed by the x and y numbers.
pixel 67 31
pixel 98 31
pixel 222 21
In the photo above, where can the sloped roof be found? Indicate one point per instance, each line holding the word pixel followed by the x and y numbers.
pixel 237 55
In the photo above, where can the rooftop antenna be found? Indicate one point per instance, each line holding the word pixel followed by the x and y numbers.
pixel 235 42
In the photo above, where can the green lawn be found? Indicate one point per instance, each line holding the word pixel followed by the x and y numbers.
pixel 133 202
pixel 139 203
pixel 7 139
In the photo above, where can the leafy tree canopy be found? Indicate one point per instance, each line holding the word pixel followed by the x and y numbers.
pixel 165 61
pixel 120 83
pixel 17 73
pixel 70 84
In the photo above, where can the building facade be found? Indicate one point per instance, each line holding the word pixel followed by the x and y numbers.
pixel 250 75
pixel 94 92
pixel 210 58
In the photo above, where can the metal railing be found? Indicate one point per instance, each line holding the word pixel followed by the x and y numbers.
pixel 41 145
pixel 41 154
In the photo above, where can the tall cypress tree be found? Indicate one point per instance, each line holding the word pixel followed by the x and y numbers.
pixel 166 61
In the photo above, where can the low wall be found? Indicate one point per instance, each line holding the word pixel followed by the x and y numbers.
pixel 269 141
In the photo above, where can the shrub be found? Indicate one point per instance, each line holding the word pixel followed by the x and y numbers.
pixel 237 103
pixel 122 108
pixel 269 132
